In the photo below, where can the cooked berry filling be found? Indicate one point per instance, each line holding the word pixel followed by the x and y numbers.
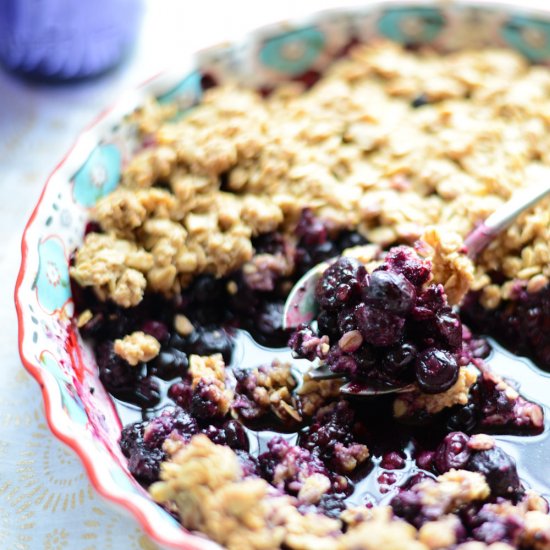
pixel 388 327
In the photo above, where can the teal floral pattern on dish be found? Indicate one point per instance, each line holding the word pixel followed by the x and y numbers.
pixel 529 36
pixel 186 94
pixel 411 25
pixel 72 404
pixel 99 175
pixel 294 52
pixel 52 280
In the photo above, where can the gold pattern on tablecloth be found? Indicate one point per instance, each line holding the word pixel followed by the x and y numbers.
pixel 46 501
pixel 57 539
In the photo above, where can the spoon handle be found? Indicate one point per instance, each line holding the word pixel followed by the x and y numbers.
pixel 503 216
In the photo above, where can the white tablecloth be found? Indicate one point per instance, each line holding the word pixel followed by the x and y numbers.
pixel 46 501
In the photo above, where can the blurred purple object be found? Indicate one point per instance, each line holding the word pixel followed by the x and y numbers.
pixel 64 39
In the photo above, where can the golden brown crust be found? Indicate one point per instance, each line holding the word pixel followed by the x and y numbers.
pixel 380 165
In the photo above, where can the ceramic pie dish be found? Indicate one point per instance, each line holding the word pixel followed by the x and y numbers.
pixel 78 409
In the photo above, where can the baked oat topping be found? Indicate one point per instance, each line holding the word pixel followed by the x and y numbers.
pixel 381 165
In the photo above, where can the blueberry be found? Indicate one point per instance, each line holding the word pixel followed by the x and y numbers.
pixel 499 471
pixel 389 291
pixel 349 239
pixel 327 324
pixel 248 463
pixel 181 393
pixel 204 403
pixel 403 259
pixel 169 363
pixel 398 358
pixel 340 284
pixel 144 464
pixel 147 393
pixel 209 342
pixel 269 243
pixel 131 436
pixel 230 433
pixel 393 460
pixel 92 227
pixel 464 418
pixel 341 363
pixel 407 505
pixel 490 532
pixel 436 370
pixel 452 452
pixel 157 329
pixel 379 328
pixel 170 420
pixel 366 360
pixel 115 373
pixel 207 289
pixel 431 300
pixel 425 459
pixel 310 229
pixel 419 101
pixel 449 328
pixel 346 320
pixel 417 478
pixel 332 504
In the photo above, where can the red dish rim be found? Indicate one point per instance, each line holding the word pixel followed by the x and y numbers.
pixel 190 541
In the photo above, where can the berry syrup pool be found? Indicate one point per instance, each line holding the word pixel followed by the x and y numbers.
pixel 394 447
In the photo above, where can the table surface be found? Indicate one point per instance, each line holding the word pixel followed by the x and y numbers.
pixel 46 501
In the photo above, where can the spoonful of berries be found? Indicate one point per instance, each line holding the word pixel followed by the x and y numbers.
pixel 388 331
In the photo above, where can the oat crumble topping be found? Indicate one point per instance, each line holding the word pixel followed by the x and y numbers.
pixel 380 164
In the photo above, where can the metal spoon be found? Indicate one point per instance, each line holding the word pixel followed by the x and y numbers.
pixel 358 389
pixel 301 306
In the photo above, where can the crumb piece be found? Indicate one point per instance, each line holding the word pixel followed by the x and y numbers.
pixel 350 341
pixel 211 396
pixel 440 533
pixel 84 318
pixel 537 531
pixel 262 215
pixel 264 270
pixel 503 406
pixel 380 529
pixel 137 347
pixel 313 488
pixel 264 389
pixel 452 490
pixel 450 265
pixel 348 457
pixel 183 325
pixel 410 403
pixel 314 394
pixel 310 531
pixel 129 288
pixel 114 267
pixel 481 442
pixel 354 515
